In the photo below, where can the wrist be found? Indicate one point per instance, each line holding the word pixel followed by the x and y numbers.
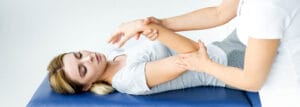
pixel 140 25
pixel 208 66
pixel 166 23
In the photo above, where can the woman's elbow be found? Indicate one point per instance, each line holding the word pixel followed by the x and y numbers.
pixel 253 89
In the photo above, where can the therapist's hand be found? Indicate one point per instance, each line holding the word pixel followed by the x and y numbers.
pixel 126 31
pixel 152 19
pixel 195 61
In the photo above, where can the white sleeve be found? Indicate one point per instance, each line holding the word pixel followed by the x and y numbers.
pixel 262 20
pixel 132 79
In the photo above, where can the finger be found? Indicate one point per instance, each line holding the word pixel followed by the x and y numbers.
pixel 147 21
pixel 153 19
pixel 202 47
pixel 123 40
pixel 155 31
pixel 114 39
pixel 110 39
pixel 114 36
pixel 154 36
pixel 137 36
pixel 181 63
pixel 117 39
pixel 182 66
pixel 184 56
pixel 147 32
pixel 151 36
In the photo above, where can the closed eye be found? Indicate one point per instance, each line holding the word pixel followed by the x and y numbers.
pixel 82 70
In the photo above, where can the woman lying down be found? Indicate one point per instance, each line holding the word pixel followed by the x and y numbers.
pixel 139 70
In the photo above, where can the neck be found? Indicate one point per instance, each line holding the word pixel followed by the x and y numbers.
pixel 112 68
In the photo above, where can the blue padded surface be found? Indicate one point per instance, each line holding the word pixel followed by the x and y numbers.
pixel 198 97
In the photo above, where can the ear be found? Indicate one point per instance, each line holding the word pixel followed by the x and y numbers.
pixel 86 87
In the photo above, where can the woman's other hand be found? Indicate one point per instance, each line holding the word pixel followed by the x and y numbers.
pixel 151 34
pixel 195 61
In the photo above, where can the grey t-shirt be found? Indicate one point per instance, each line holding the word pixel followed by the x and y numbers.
pixel 131 78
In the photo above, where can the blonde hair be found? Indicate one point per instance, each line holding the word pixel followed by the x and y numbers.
pixel 60 83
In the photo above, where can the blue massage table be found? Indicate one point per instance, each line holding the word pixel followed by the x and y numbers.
pixel 204 96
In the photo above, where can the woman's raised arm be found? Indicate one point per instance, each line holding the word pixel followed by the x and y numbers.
pixel 172 40
pixel 163 70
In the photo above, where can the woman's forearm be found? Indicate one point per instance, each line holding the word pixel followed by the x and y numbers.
pixel 172 40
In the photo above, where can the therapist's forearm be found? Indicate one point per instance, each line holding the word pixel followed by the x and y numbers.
pixel 203 18
pixel 233 76
pixel 196 20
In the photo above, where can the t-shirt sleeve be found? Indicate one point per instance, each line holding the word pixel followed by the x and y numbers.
pixel 132 78
pixel 131 81
pixel 262 20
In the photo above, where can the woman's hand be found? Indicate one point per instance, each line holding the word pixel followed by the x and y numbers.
pixel 195 61
pixel 126 31
pixel 134 28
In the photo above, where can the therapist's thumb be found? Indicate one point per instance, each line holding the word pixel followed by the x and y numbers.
pixel 202 48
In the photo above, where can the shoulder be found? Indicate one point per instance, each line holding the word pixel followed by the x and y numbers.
pixel 131 79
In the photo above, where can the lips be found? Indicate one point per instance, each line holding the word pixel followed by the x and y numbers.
pixel 98 57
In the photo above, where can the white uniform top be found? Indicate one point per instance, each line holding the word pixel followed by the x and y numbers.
pixel 131 78
pixel 275 19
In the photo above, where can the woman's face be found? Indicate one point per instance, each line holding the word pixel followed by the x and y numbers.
pixel 84 67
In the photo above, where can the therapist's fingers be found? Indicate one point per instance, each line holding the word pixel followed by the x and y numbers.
pixel 147 21
pixel 180 62
pixel 151 19
pixel 202 47
pixel 155 20
pixel 184 56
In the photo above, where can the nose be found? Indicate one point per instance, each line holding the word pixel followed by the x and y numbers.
pixel 89 58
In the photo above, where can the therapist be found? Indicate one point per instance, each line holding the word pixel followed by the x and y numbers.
pixel 269 29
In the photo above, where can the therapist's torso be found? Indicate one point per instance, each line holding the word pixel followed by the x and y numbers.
pixel 275 19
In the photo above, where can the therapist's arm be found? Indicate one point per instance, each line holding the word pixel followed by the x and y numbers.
pixel 259 57
pixel 203 18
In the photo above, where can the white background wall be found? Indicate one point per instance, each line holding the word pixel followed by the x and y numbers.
pixel 32 32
